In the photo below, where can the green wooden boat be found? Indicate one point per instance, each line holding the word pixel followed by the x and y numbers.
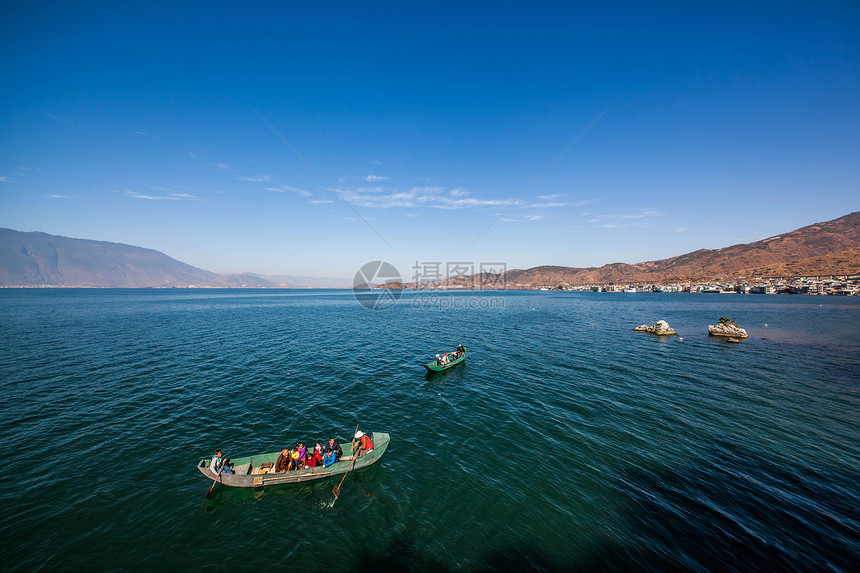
pixel 247 470
pixel 446 361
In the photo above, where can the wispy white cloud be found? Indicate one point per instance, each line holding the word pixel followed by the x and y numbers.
pixel 257 179
pixel 547 205
pixel 144 134
pixel 614 221
pixel 447 203
pixel 136 195
pixel 433 197
pixel 55 196
pixel 169 197
pixel 5 179
pixel 20 172
pixel 321 202
pixel 642 214
pixel 285 188
pixel 380 200
pixel 55 118
pixel 222 165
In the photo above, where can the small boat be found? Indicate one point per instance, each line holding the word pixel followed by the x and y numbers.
pixel 446 361
pixel 249 471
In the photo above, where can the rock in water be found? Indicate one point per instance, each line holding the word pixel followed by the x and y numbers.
pixel 727 329
pixel 662 328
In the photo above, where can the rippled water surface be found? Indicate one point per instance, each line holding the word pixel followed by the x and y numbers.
pixel 565 441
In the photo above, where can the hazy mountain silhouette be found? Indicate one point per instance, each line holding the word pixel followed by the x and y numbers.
pixel 39 259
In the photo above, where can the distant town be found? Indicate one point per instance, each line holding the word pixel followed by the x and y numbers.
pixel 842 285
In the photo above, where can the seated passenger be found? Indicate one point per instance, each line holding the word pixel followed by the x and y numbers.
pixel 219 465
pixel 317 455
pixel 303 455
pixel 293 460
pixel 332 445
pixel 329 458
pixel 283 461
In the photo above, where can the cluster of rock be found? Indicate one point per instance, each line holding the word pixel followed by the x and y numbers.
pixel 727 329
pixel 662 328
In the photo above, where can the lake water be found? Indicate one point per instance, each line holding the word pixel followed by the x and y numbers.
pixel 566 440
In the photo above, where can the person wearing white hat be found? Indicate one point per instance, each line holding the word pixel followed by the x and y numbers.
pixel 363 445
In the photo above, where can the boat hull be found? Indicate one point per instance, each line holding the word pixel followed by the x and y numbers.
pixel 244 466
pixel 433 367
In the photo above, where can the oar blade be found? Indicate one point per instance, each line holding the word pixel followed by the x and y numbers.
pixel 336 491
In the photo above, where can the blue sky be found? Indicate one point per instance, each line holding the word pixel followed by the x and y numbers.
pixel 563 133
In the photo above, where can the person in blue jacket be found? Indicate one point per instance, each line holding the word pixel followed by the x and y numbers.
pixel 329 458
pixel 218 464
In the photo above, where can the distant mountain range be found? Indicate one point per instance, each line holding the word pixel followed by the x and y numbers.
pixel 39 259
pixel 830 248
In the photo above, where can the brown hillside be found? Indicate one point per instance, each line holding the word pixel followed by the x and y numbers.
pixel 839 263
pixel 820 249
pixel 829 248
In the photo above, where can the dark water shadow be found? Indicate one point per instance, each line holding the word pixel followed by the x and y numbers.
pixel 455 373
pixel 363 481
pixel 744 507
pixel 400 553
pixel 742 510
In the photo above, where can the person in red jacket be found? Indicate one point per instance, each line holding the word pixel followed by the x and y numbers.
pixel 363 445
pixel 315 458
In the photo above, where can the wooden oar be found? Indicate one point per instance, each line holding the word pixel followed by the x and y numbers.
pixel 218 477
pixel 336 490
